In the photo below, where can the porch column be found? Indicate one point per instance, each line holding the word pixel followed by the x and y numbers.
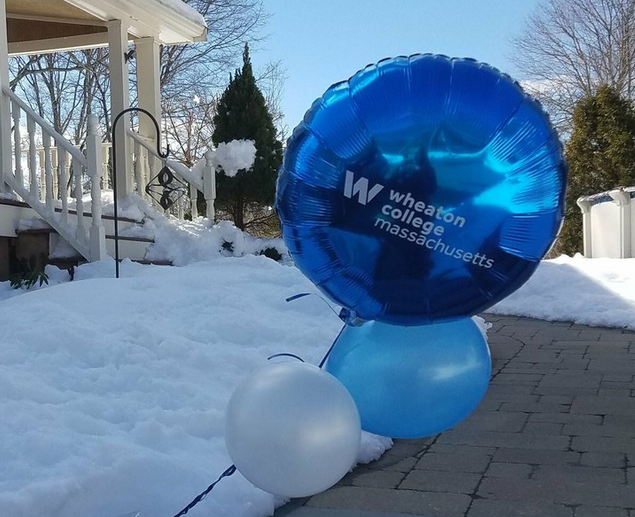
pixel 623 200
pixel 5 116
pixel 119 101
pixel 149 88
pixel 587 228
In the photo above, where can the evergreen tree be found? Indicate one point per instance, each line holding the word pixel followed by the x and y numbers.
pixel 600 154
pixel 242 114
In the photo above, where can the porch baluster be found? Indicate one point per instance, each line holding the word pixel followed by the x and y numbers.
pixel 137 167
pixel 193 196
pixel 48 170
pixel 41 173
pixel 145 176
pixel 105 165
pixel 76 169
pixel 17 142
pixel 151 174
pixel 34 188
pixel 63 182
pixel 56 173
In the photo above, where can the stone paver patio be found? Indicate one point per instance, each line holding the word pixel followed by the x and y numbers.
pixel 554 437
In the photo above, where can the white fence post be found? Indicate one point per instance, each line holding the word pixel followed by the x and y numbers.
pixel 209 185
pixel 623 200
pixel 94 168
pixel 587 230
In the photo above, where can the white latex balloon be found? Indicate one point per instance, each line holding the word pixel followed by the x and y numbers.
pixel 292 429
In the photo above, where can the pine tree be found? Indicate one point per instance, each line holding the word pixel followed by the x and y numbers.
pixel 242 114
pixel 600 154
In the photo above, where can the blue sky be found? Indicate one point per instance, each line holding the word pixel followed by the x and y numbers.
pixel 325 41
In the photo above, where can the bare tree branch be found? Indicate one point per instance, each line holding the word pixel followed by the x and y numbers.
pixel 65 88
pixel 571 47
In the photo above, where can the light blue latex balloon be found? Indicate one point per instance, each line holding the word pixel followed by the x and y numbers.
pixel 422 189
pixel 416 381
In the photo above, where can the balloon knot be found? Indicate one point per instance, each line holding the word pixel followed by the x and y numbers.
pixel 351 318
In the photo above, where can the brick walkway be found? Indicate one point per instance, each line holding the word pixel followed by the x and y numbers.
pixel 554 437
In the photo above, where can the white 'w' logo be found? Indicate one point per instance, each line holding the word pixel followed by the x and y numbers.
pixel 360 188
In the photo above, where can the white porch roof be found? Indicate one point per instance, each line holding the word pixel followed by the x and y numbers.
pixel 36 26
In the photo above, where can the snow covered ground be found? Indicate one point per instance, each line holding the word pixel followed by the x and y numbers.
pixel 598 292
pixel 113 392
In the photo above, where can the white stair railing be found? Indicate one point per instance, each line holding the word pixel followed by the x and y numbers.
pixel 145 158
pixel 35 185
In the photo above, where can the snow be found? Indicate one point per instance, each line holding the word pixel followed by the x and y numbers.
pixel 599 292
pixel 182 9
pixel 230 157
pixel 129 208
pixel 606 195
pixel 10 196
pixel 234 156
pixel 113 391
pixel 33 223
pixel 60 249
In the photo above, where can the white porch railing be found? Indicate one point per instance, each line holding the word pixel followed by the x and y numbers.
pixel 49 174
pixel 33 180
pixel 147 163
pixel 55 164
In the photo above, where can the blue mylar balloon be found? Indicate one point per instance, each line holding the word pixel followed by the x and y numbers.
pixel 415 381
pixel 422 189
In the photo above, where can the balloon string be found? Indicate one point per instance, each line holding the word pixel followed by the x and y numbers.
pixel 297 296
pixel 283 354
pixel 347 316
pixel 331 348
pixel 302 295
pixel 230 471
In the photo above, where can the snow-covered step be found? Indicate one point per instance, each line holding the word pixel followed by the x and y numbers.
pixel 134 248
pixel 11 212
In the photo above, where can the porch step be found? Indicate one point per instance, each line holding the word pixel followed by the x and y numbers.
pixel 13 202
pixel 121 219
pixel 70 263
pixel 22 204
pixel 37 243
pixel 12 211
pixel 44 244
pixel 36 231
pixel 130 238
pixel 67 263
pixel 154 262
pixel 134 248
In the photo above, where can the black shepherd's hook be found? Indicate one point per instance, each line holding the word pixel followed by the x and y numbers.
pixel 114 170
